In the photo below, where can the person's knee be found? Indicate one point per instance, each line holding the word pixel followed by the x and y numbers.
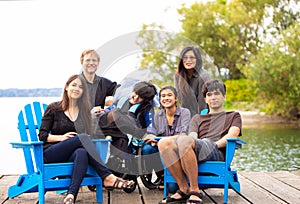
pixel 185 143
pixel 165 143
pixel 82 154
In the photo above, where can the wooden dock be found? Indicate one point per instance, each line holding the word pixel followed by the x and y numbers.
pixel 256 187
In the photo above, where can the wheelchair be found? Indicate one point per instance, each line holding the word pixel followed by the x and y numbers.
pixel 133 166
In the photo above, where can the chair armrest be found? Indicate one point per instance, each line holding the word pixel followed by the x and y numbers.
pixel 35 147
pixel 26 144
pixel 231 145
pixel 238 142
pixel 101 140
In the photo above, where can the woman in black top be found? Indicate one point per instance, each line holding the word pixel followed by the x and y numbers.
pixel 189 79
pixel 65 127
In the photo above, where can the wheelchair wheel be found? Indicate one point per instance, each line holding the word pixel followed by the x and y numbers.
pixel 92 188
pixel 149 180
pixel 133 187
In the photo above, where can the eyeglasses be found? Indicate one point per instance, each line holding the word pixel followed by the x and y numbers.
pixel 185 58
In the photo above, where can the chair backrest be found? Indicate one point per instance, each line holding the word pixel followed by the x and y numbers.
pixel 29 121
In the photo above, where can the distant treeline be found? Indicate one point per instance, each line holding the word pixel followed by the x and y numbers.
pixel 39 92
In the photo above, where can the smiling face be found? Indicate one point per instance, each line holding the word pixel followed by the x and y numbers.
pixel 90 63
pixel 189 60
pixel 167 98
pixel 75 89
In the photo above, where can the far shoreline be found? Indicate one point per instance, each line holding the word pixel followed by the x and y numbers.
pixel 257 119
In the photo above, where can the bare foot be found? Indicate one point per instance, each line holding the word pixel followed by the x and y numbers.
pixel 69 199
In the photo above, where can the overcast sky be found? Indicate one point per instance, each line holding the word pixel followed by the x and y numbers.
pixel 41 40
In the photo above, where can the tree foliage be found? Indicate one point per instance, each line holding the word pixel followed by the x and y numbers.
pixel 276 70
pixel 161 50
pixel 253 39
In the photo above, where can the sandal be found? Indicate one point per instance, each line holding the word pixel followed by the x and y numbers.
pixel 124 184
pixel 170 200
pixel 69 199
pixel 198 194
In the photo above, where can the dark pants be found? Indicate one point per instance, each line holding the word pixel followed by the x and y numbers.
pixel 80 150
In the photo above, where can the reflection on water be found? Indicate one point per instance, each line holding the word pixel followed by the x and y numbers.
pixel 271 147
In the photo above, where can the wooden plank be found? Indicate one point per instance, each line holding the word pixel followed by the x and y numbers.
pixel 121 197
pixel 29 198
pixel 207 199
pixel 87 196
pixel 256 187
pixel 283 191
pixel 287 177
pixel 297 173
pixel 254 193
pixel 51 197
pixel 150 196
pixel 84 195
pixel 217 196
pixel 156 195
pixel 6 181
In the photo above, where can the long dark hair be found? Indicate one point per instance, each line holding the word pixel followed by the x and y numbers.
pixel 181 70
pixel 190 97
pixel 83 103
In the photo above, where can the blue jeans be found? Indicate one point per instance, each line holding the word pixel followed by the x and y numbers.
pixel 80 150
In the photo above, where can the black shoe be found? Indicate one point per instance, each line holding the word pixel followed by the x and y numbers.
pixel 170 200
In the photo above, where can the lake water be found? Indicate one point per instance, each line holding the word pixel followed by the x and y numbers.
pixel 269 147
pixel 11 160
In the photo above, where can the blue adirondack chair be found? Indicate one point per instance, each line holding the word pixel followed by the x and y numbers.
pixel 214 174
pixel 42 177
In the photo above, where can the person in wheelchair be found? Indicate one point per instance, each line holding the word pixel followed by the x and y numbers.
pixel 127 116
pixel 170 120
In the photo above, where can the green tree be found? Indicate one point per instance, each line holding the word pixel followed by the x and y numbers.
pixel 276 70
pixel 228 31
pixel 161 50
pixel 256 39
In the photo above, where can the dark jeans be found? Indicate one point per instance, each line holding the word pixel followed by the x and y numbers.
pixel 80 150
